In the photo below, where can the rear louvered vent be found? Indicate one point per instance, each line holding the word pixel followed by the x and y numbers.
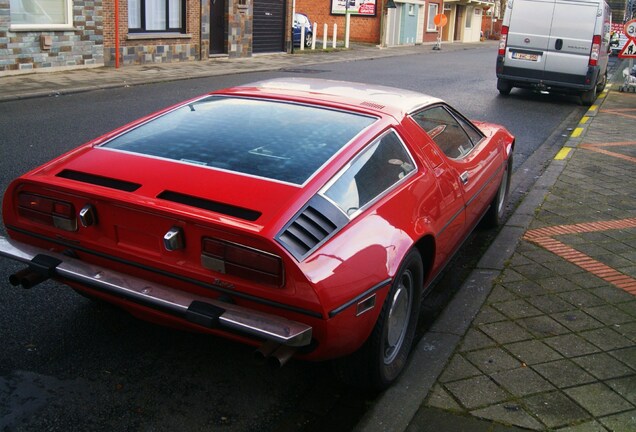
pixel 372 105
pixel 318 221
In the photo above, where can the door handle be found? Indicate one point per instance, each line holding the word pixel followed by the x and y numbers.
pixel 464 177
pixel 558 44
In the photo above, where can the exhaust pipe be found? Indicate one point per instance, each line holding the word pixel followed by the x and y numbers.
pixel 27 278
pixel 273 354
pixel 40 268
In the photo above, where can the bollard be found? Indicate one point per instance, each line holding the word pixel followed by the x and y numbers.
pixel 335 35
pixel 347 28
pixel 313 36
pixel 302 37
pixel 325 30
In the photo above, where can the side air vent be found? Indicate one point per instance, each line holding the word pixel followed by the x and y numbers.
pixel 311 227
pixel 205 204
pixel 99 180
pixel 372 105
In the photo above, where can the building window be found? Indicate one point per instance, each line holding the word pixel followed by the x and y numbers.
pixel 430 22
pixel 469 17
pixel 41 14
pixel 156 16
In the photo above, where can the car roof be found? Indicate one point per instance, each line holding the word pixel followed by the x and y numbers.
pixel 388 100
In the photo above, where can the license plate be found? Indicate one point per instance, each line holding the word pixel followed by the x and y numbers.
pixel 525 56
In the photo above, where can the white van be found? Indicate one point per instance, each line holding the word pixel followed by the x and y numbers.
pixel 555 45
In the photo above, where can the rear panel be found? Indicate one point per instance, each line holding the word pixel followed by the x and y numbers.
pixel 570 40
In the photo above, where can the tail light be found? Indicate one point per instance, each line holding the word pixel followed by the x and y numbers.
pixel 48 211
pixel 596 50
pixel 503 40
pixel 242 261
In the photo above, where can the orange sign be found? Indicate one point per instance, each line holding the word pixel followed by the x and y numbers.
pixel 440 20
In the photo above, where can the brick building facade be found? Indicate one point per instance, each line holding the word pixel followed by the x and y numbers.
pixel 38 36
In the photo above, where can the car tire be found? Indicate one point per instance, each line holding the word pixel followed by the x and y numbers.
pixel 383 356
pixel 504 86
pixel 602 84
pixel 308 40
pixel 494 214
pixel 588 97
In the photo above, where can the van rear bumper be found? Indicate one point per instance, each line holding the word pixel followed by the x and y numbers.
pixel 555 81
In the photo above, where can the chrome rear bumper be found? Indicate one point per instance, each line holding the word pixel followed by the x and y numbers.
pixel 200 310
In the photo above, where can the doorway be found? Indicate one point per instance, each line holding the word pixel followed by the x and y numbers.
pixel 217 27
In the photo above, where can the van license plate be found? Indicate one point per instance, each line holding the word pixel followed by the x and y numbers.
pixel 525 56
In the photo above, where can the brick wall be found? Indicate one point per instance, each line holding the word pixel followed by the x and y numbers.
pixel 24 51
pixel 140 48
pixel 363 28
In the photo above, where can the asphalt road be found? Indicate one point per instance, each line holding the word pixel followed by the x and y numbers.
pixel 67 363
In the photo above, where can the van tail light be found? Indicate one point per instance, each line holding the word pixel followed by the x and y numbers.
pixel 596 50
pixel 48 211
pixel 503 40
pixel 242 261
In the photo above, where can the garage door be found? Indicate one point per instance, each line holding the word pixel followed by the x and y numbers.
pixel 269 26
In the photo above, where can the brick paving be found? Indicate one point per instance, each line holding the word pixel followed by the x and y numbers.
pixel 554 345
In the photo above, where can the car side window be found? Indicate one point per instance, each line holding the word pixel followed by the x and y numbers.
pixel 375 170
pixel 452 134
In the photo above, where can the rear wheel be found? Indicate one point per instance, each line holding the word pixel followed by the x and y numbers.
pixel 588 97
pixel 383 356
pixel 504 86
pixel 494 214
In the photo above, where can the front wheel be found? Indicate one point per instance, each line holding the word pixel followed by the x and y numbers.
pixel 494 214
pixel 383 356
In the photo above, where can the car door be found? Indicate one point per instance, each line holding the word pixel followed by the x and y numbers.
pixel 468 158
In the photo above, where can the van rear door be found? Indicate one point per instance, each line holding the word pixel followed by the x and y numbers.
pixel 529 36
pixel 570 40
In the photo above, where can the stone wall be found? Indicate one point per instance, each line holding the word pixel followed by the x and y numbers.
pixel 28 51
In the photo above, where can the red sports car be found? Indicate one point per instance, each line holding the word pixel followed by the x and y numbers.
pixel 304 217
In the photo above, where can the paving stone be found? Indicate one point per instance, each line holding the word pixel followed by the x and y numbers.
pixel 516 309
pixel 500 294
pixel 627 356
pixel 533 352
pixel 555 409
pixel 612 294
pixel 586 280
pixel 609 314
pixel 581 298
pixel 505 332
pixel 577 320
pixel 625 387
pixel 440 398
pixel 558 284
pixel 458 368
pixel 543 326
pixel 571 345
pixel 623 422
pixel 491 360
pixel 564 373
pixel 550 304
pixel 522 381
pixel 606 338
pixel 599 399
pixel 588 426
pixel 475 339
pixel 510 275
pixel 628 307
pixel 476 392
pixel 509 413
pixel 563 268
pixel 603 366
pixel 628 330
pixel 526 288
pixel 533 271
pixel 488 315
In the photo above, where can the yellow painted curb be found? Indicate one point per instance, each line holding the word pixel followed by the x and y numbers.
pixel 584 120
pixel 577 132
pixel 562 154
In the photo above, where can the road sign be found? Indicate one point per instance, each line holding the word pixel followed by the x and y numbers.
pixel 629 50
pixel 440 20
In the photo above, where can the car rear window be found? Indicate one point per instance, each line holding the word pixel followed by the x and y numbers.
pixel 275 140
